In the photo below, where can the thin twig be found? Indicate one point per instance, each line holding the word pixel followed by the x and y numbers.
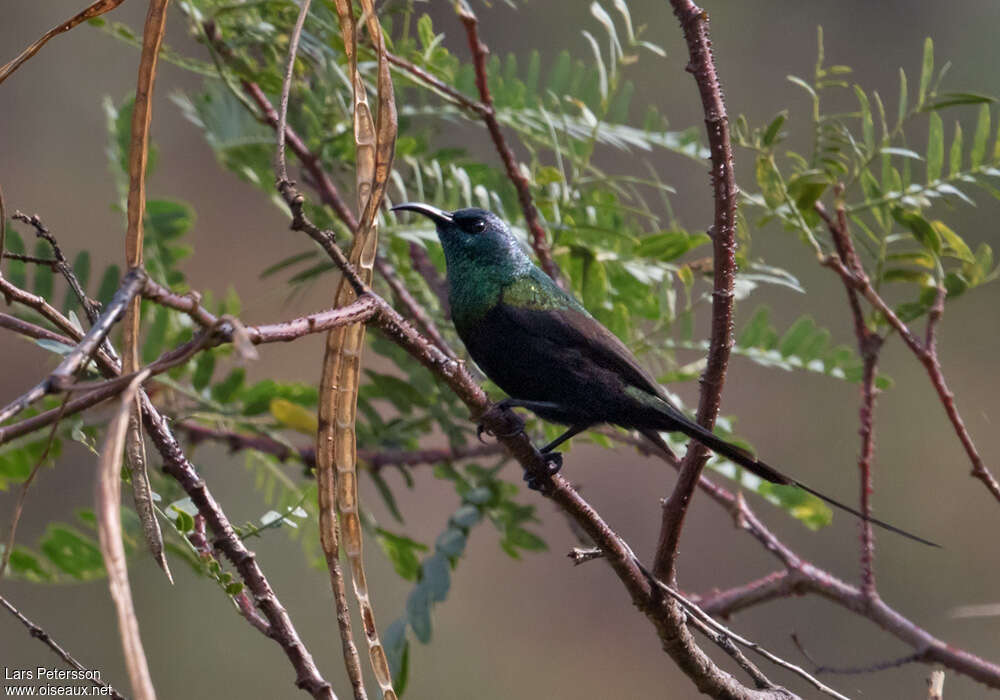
pixel 819 668
pixel 60 378
pixel 694 22
pixel 177 465
pixel 46 639
pixel 95 10
pixel 281 127
pixel 480 52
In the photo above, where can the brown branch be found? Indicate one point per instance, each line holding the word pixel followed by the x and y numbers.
pixel 925 352
pixel 95 10
pixel 480 52
pixel 819 668
pixel 225 539
pixel 180 468
pixel 694 22
pixel 59 263
pixel 44 637
pixel 60 378
pixel 374 459
pixel 199 541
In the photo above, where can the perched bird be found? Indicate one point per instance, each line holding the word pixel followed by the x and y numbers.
pixel 550 356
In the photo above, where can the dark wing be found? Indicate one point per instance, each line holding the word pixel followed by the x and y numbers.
pixel 538 307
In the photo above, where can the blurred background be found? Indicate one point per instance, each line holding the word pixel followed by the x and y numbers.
pixel 538 628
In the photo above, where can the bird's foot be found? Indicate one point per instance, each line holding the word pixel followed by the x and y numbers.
pixel 539 482
pixel 500 413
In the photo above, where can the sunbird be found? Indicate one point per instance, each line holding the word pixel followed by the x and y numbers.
pixel 541 346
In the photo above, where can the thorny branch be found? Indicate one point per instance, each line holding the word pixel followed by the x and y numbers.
pixel 480 52
pixel 694 23
pixel 925 351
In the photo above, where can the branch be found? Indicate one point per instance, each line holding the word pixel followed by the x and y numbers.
pixel 177 465
pixel 926 352
pixel 375 460
pixel 59 263
pixel 479 50
pixel 694 22
pixel 43 636
pixel 95 10
pixel 61 376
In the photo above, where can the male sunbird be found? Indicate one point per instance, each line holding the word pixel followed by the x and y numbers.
pixel 550 356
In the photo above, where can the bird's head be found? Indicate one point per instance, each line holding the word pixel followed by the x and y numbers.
pixel 473 236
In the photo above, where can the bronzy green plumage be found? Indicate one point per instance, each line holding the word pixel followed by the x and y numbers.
pixel 539 344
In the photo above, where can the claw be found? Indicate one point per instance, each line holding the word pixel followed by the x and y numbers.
pixel 539 482
pixel 502 407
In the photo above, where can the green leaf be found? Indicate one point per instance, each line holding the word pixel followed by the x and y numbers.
pixel 72 552
pixel 523 539
pixel 797 336
pixel 957 99
pixel 669 245
pixel 81 269
pixel 395 644
pixel 224 391
pixel 926 71
pixel 756 329
pixel 451 542
pixel 901 112
pixel 769 182
pixel 24 564
pixel 867 124
pixel 156 337
pixel 595 283
pixel 774 128
pixel 402 552
pixel 168 219
pixel 935 148
pixel 953 242
pixel 204 366
pixel 436 576
pixel 418 612
pixel 955 155
pixel 920 227
pixel 109 284
pixel 981 136
pixel 43 273
pixel 16 270
pixel 386 493
pixel 466 516
pixel 425 31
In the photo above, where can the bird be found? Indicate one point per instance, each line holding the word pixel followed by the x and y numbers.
pixel 550 356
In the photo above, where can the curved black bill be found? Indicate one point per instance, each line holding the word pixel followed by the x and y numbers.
pixel 436 215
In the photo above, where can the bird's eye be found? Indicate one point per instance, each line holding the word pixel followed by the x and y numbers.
pixel 473 226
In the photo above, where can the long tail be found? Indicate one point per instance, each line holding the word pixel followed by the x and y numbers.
pixel 674 420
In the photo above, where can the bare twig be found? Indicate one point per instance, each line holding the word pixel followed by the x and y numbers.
pixel 694 22
pixel 480 52
pixel 95 10
pixel 286 85
pixel 925 352
pixel 819 668
pixel 61 376
pixel 180 468
pixel 59 263
pixel 44 637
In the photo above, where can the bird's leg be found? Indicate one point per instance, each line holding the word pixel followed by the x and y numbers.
pixel 504 407
pixel 553 460
pixel 573 430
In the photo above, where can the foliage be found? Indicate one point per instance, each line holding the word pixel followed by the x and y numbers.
pixel 614 235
